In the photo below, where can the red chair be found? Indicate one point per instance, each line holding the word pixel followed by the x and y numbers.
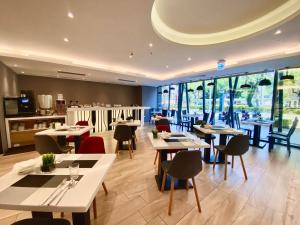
pixel 161 128
pixel 83 136
pixel 93 145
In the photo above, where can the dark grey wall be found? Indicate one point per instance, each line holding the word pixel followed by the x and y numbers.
pixel 84 91
pixel 149 99
pixel 8 87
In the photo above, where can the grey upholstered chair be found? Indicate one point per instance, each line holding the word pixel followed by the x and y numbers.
pixel 123 133
pixel 46 144
pixel 185 165
pixel 42 221
pixel 237 146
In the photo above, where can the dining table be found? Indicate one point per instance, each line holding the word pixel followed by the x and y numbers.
pixel 63 132
pixel 223 132
pixel 45 193
pixel 133 124
pixel 175 142
pixel 257 129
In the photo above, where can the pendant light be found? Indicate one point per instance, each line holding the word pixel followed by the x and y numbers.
pixel 165 91
pixel 245 85
pixel 190 90
pixel 211 83
pixel 172 88
pixel 199 88
pixel 264 82
pixel 287 76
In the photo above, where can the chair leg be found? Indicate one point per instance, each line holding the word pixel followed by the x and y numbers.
pixel 95 208
pixel 104 188
pixel 232 161
pixel 117 148
pixel 288 145
pixel 129 149
pixel 196 194
pixel 62 214
pixel 187 184
pixel 225 170
pixel 244 169
pixel 156 157
pixel 162 188
pixel 216 156
pixel 171 196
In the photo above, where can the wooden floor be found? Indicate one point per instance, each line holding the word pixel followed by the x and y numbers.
pixel 270 196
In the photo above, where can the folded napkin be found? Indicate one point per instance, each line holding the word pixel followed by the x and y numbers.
pixel 26 167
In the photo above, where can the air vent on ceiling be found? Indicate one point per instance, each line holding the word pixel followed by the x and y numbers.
pixel 130 81
pixel 71 73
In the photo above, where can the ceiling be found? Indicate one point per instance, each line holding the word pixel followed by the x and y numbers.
pixel 103 34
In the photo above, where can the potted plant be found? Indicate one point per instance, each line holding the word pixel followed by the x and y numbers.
pixel 154 132
pixel 202 123
pixel 48 162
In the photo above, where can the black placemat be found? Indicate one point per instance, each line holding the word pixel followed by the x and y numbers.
pixel 40 181
pixel 171 140
pixel 82 163
pixel 177 135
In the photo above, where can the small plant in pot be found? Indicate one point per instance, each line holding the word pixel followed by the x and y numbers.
pixel 48 162
pixel 202 123
pixel 155 132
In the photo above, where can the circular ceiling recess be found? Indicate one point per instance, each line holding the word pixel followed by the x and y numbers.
pixel 206 22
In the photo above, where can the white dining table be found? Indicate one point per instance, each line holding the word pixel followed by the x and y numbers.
pixel 75 131
pixel 76 200
pixel 176 142
pixel 223 132
pixel 134 123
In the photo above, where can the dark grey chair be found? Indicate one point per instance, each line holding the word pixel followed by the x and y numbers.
pixel 164 112
pixel 185 165
pixel 45 144
pixel 42 221
pixel 162 122
pixel 238 125
pixel 237 146
pixel 123 133
pixel 283 137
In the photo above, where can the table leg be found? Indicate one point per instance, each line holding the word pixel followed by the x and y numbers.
pixel 77 143
pixel 256 137
pixel 81 218
pixel 178 184
pixel 207 154
pixel 47 215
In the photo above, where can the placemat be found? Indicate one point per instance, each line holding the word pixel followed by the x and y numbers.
pixel 82 163
pixel 40 181
pixel 177 135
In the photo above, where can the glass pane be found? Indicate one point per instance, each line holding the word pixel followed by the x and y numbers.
pixel 195 97
pixel 222 100
pixel 165 97
pixel 174 97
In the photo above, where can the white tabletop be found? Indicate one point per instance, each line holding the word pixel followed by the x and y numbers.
pixel 135 123
pixel 74 131
pixel 76 199
pixel 219 131
pixel 161 144
pixel 265 123
pixel 161 117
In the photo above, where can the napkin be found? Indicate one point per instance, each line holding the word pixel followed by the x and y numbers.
pixel 26 167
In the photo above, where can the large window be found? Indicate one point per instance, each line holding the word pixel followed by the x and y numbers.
pixel 222 99
pixel 174 97
pixel 195 97
pixel 165 97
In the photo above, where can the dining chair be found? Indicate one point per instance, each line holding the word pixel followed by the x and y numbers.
pixel 123 133
pixel 237 146
pixel 47 144
pixel 165 112
pixel 283 137
pixel 201 135
pixel 185 120
pixel 71 138
pixel 93 145
pixel 162 122
pixel 185 165
pixel 238 125
pixel 42 221
pixel 133 128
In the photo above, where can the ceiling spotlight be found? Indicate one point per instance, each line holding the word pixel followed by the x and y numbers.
pixel 66 40
pixel 189 59
pixel 150 45
pixel 167 66
pixel 70 15
pixel 23 72
pixel 15 65
pixel 278 32
pixel 131 55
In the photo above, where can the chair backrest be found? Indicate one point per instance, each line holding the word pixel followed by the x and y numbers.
pixel 123 133
pixel 186 164
pixel 164 112
pixel 130 118
pixel 205 117
pixel 162 128
pixel 92 145
pixel 45 144
pixel 162 122
pixel 173 112
pixel 293 127
pixel 238 145
pixel 82 123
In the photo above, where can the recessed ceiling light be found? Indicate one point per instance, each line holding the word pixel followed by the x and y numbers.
pixel 167 66
pixel 189 59
pixel 15 65
pixel 66 40
pixel 131 55
pixel 150 45
pixel 278 32
pixel 70 15
pixel 22 72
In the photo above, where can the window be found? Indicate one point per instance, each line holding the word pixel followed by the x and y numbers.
pixel 174 97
